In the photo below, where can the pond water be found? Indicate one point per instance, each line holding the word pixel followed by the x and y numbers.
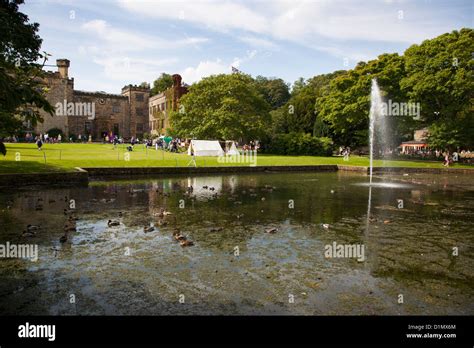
pixel 417 234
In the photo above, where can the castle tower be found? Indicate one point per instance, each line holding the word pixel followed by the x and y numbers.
pixel 138 120
pixel 63 67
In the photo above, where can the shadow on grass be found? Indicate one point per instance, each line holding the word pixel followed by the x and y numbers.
pixel 12 167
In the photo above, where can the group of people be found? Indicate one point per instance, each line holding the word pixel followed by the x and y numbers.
pixel 252 145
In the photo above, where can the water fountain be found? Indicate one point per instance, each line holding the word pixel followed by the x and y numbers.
pixel 374 116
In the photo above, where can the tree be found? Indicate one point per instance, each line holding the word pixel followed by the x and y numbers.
pixel 439 75
pixel 162 83
pixel 345 104
pixel 299 113
pixel 275 91
pixel 224 107
pixel 21 87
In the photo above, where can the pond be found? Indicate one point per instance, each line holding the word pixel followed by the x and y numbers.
pixel 261 245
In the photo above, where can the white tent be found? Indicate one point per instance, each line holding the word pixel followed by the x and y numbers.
pixel 205 148
pixel 233 150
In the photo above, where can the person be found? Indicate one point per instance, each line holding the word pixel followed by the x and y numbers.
pixel 39 143
pixel 107 139
pixel 193 159
pixel 115 142
pixel 90 138
pixel 59 138
pixel 446 159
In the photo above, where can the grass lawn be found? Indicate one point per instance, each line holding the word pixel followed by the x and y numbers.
pixel 65 157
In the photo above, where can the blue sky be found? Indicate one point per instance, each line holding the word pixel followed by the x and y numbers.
pixel 112 43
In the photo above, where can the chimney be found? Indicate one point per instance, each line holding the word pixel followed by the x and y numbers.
pixel 176 80
pixel 63 66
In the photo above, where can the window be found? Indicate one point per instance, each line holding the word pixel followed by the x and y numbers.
pixel 140 112
pixel 116 108
pixel 139 97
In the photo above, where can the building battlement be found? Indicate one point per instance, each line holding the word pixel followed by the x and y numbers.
pixel 126 114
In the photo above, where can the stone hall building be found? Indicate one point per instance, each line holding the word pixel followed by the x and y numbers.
pixel 130 113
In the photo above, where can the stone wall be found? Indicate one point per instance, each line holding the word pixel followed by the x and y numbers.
pixel 138 103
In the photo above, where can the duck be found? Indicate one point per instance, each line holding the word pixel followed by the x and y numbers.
pixel 163 213
pixel 240 216
pixel 204 187
pixel 28 234
pixel 63 239
pixel 112 223
pixel 147 229
pixel 70 227
pixel 271 230
pixel 33 228
pixel 177 235
pixel 185 243
pixel 216 229
pixel 326 226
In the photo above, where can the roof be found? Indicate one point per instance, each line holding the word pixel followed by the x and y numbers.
pixel 414 142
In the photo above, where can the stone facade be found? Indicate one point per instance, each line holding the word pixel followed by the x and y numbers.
pixel 124 114
pixel 162 104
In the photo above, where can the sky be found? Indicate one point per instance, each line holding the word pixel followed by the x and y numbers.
pixel 113 43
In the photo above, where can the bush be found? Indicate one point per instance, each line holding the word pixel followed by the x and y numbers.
pixel 54 132
pixel 299 144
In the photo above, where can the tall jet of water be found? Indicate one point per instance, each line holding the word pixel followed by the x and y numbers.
pixel 375 114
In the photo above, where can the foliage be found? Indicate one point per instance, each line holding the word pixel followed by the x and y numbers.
pixel 439 75
pixel 54 132
pixel 21 89
pixel 161 84
pixel 345 105
pixel 275 91
pixel 299 144
pixel 299 113
pixel 223 107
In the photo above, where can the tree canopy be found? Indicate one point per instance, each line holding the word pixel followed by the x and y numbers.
pixel 224 107
pixel 21 89
pixel 439 75
pixel 162 83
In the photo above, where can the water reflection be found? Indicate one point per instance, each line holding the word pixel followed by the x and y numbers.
pixel 123 270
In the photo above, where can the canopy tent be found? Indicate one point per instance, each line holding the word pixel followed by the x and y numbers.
pixel 205 148
pixel 233 150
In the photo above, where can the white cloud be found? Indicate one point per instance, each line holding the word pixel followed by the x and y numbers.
pixel 204 69
pixel 309 23
pixel 215 14
pixel 214 67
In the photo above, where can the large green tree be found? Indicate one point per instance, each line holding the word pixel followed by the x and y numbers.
pixel 299 113
pixel 21 87
pixel 439 76
pixel 346 103
pixel 222 107
pixel 275 91
pixel 161 84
